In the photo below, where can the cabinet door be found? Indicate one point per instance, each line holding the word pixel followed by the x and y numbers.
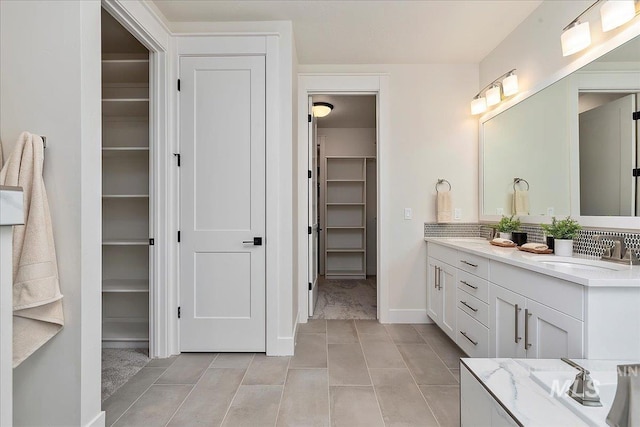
pixel 434 300
pixel 448 287
pixel 506 323
pixel 552 334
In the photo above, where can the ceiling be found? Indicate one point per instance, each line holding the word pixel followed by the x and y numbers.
pixel 349 111
pixel 373 32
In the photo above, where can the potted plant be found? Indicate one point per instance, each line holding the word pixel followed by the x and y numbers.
pixel 563 233
pixel 508 225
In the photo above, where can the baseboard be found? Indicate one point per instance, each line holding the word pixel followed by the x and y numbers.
pixel 98 421
pixel 285 347
pixel 408 316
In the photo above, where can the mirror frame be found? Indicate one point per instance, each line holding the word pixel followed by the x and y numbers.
pixel 629 33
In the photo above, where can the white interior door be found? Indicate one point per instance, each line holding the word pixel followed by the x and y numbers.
pixel 222 185
pixel 607 142
pixel 313 211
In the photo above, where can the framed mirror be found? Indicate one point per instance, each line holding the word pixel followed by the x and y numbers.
pixel 574 143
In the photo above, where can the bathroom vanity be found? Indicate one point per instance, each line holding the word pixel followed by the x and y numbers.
pixel 501 302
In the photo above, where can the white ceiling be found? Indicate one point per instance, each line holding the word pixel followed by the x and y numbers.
pixel 349 111
pixel 373 32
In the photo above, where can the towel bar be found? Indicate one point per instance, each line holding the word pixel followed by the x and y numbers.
pixel 442 181
pixel 518 181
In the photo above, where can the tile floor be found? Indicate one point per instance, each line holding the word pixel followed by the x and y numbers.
pixel 344 373
pixel 346 299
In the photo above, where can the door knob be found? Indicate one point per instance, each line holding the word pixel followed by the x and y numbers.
pixel 257 241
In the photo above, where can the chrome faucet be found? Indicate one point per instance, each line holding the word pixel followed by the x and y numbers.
pixel 583 389
pixel 618 251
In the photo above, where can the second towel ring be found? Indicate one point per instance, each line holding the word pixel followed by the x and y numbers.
pixel 442 181
pixel 518 181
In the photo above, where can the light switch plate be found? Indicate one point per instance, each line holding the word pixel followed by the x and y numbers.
pixel 499 211
pixel 457 213
pixel 550 211
pixel 408 213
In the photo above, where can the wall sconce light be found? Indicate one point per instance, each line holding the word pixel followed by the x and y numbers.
pixel 490 95
pixel 577 35
pixel 321 109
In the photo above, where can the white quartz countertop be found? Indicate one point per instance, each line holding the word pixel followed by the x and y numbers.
pixel 517 385
pixel 11 206
pixel 626 276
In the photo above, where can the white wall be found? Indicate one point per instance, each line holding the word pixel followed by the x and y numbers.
pixel 294 161
pixel 50 84
pixel 432 136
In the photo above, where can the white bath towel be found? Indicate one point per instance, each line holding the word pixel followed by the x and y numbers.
pixel 521 202
pixel 37 301
pixel 443 207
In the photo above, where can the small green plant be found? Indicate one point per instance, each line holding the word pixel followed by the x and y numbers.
pixel 564 229
pixel 508 224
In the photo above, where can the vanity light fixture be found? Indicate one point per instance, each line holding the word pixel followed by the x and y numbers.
pixel 321 109
pixel 577 35
pixel 490 95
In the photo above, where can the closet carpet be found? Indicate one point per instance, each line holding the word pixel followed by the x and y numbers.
pixel 346 299
pixel 119 365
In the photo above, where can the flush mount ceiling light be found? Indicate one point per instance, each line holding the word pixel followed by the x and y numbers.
pixel 492 94
pixel 321 109
pixel 617 12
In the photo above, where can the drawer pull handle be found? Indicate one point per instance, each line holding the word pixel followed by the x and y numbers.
pixel 467 337
pixel 527 314
pixel 469 285
pixel 469 307
pixel 517 338
pixel 468 263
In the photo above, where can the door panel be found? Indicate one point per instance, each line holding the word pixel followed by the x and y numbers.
pixel 313 210
pixel 552 334
pixel 449 303
pixel 503 341
pixel 222 187
pixel 434 301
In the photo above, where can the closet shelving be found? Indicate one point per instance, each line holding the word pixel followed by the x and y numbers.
pixel 125 200
pixel 345 217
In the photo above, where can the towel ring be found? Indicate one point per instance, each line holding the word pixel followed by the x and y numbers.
pixel 518 181
pixel 442 181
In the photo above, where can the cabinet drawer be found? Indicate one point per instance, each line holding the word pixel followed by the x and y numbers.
pixel 473 307
pixel 473 264
pixel 442 253
pixel 474 285
pixel 471 336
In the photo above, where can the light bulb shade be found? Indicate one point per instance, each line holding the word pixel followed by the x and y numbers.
pixel 575 38
pixel 321 109
pixel 617 12
pixel 510 85
pixel 478 105
pixel 493 95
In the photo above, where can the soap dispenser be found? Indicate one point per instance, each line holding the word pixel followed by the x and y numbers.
pixel 625 410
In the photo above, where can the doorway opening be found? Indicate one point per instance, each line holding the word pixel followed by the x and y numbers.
pixel 343 208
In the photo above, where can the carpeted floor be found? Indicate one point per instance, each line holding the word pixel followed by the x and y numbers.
pixel 346 299
pixel 119 365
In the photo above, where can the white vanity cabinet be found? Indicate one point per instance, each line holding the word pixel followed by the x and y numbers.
pixel 442 295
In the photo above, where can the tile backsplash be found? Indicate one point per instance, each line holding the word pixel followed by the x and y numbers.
pixel 582 244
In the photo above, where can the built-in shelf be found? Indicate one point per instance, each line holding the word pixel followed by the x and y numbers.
pixel 126 148
pixel 345 273
pixel 125 107
pixel 345 180
pixel 125 329
pixel 346 228
pixel 125 196
pixel 345 204
pixel 345 250
pixel 125 242
pixel 125 285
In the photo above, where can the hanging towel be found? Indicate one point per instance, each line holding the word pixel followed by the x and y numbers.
pixel 443 207
pixel 37 301
pixel 521 202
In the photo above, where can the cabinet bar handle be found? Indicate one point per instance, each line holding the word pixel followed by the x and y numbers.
pixel 527 345
pixel 517 338
pixel 469 285
pixel 467 337
pixel 468 263
pixel 437 278
pixel 468 306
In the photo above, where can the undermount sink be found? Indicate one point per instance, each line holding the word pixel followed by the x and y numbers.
pixel 580 263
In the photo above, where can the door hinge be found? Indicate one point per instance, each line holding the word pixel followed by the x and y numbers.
pixel 309 175
pixel 178 158
pixel 309 230
pixel 636 172
pixel 309 117
pixel 178 236
pixel 310 286
pixel 179 312
pixel 151 242
pixel 178 85
pixel 636 115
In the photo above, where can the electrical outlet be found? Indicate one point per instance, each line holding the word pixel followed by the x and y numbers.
pixel 550 211
pixel 457 213
pixel 499 211
pixel 408 214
